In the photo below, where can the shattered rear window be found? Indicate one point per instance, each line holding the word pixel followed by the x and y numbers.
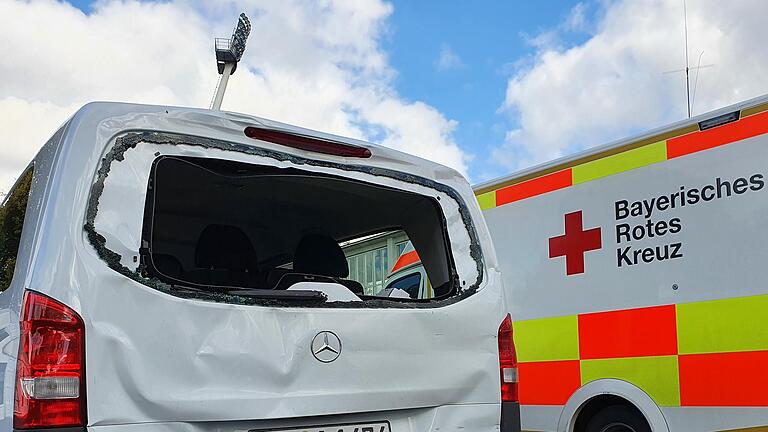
pixel 272 229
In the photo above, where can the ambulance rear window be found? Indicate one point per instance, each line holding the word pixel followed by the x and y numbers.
pixel 409 284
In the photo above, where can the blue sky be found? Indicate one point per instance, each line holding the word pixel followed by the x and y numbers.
pixel 488 88
pixel 488 39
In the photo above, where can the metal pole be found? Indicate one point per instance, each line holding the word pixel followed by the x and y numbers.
pixel 219 98
pixel 391 253
pixel 687 69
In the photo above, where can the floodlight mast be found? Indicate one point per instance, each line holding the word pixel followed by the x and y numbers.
pixel 228 53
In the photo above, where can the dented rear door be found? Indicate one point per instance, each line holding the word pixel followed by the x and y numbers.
pixel 177 360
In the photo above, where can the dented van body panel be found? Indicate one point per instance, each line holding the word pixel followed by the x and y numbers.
pixel 158 358
pixel 257 363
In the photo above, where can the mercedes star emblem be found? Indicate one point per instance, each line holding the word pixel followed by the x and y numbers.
pixel 326 346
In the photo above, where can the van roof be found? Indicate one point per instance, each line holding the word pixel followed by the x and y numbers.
pixel 112 118
pixel 76 162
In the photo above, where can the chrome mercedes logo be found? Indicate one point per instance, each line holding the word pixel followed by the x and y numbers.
pixel 326 346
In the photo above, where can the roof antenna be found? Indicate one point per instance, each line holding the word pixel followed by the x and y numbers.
pixel 696 80
pixel 687 68
pixel 228 54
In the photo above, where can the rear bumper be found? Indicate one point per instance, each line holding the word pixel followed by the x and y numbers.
pixel 510 417
pixel 472 417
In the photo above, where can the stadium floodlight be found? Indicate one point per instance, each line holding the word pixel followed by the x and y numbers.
pixel 228 54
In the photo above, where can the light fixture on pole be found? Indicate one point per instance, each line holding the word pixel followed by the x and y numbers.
pixel 228 53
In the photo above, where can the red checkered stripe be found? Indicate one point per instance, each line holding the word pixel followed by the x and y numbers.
pixel 695 354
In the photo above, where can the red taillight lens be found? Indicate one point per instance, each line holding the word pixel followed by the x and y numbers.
pixel 50 372
pixel 307 143
pixel 507 362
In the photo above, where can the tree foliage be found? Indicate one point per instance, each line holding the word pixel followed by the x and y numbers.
pixel 11 223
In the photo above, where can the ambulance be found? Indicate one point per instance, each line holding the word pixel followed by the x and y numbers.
pixel 636 274
pixel 177 269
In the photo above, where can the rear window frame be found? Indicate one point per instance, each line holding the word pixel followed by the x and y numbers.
pixel 128 140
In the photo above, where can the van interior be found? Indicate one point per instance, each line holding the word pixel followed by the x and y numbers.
pixel 226 226
pixel 12 211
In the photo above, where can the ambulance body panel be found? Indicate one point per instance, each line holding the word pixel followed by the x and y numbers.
pixel 638 270
pixel 407 277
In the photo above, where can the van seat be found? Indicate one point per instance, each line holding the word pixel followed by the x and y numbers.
pixel 321 255
pixel 224 256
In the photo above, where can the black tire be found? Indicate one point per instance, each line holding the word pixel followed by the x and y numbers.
pixel 618 418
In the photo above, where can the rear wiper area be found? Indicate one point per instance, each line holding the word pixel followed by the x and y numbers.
pixel 268 296
pixel 292 295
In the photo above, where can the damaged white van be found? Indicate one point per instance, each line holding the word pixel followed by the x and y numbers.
pixel 167 269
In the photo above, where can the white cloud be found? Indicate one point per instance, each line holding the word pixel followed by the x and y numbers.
pixel 316 64
pixel 448 59
pixel 576 22
pixel 613 84
pixel 23 123
pixel 577 19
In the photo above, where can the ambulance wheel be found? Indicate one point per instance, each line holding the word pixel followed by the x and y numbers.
pixel 618 418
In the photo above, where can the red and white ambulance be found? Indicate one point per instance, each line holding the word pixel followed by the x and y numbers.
pixel 637 277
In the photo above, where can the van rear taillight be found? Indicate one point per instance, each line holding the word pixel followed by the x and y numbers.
pixel 304 142
pixel 507 362
pixel 50 371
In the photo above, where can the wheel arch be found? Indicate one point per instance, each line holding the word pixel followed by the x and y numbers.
pixel 617 389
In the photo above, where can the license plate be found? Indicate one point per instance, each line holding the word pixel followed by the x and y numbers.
pixel 353 427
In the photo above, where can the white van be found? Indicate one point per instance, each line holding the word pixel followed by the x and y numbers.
pixel 167 269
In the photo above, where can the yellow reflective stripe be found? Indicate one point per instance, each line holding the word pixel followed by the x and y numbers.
pixel 657 376
pixel 625 161
pixel 599 168
pixel 487 200
pixel 588 158
pixel 737 324
pixel 547 339
pixel 751 429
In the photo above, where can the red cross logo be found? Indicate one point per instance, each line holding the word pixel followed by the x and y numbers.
pixel 574 243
